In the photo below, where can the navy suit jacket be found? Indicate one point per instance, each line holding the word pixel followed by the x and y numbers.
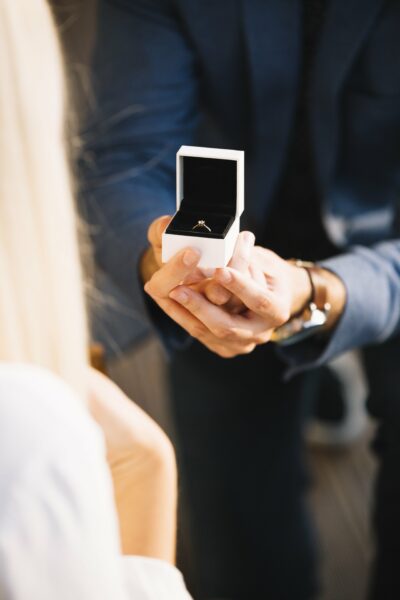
pixel 225 73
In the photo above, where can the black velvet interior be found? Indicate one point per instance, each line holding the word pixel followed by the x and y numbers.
pixel 209 193
pixel 184 221
pixel 209 183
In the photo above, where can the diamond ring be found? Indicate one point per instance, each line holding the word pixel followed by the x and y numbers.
pixel 201 224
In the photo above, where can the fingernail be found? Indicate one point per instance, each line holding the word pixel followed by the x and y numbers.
pixel 224 276
pixel 179 296
pixel 164 222
pixel 248 237
pixel 190 257
pixel 208 272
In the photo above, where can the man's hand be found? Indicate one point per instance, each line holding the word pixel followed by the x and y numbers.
pixel 151 259
pixel 160 279
pixel 182 269
pixel 151 262
pixel 221 328
pixel 238 307
pixel 270 293
pixel 265 293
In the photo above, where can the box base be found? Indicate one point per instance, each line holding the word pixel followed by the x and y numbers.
pixel 215 253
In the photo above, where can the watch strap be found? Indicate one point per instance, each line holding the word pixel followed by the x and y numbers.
pixel 313 317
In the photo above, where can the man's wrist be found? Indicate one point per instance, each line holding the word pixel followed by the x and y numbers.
pixel 302 293
pixel 316 305
pixel 301 289
pixel 336 296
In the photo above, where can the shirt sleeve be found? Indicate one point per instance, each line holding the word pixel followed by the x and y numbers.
pixel 372 311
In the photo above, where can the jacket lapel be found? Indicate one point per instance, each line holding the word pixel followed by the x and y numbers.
pixel 347 25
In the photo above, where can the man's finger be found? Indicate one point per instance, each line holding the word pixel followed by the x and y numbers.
pixel 240 261
pixel 195 276
pixel 216 293
pixel 242 253
pixel 156 229
pixel 257 275
pixel 154 235
pixel 258 299
pixel 172 273
pixel 183 318
pixel 199 331
pixel 219 322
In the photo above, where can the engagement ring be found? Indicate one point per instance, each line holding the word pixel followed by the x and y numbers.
pixel 201 224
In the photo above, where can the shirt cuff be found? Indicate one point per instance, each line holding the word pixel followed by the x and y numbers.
pixel 359 324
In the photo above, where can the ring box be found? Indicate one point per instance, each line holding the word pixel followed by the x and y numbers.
pixel 209 188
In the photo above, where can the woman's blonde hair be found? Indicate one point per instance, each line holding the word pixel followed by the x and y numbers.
pixel 42 314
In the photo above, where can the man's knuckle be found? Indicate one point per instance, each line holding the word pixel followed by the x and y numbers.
pixel 248 349
pixel 225 352
pixel 198 330
pixel 261 338
pixel 262 304
pixel 192 304
pixel 222 332
pixel 151 288
pixel 240 286
pixel 281 316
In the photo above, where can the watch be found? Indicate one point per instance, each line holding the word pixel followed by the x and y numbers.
pixel 313 317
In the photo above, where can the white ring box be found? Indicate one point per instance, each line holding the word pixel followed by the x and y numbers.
pixel 209 187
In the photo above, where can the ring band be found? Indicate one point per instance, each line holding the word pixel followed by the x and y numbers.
pixel 201 223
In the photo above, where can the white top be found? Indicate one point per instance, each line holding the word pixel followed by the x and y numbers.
pixel 58 525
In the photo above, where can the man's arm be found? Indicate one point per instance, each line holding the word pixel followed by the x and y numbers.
pixel 363 287
pixel 145 108
pixel 372 311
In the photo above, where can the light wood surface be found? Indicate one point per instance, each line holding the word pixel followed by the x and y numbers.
pixel 341 500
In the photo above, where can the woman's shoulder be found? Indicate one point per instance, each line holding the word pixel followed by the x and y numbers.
pixel 149 578
pixel 25 380
pixel 35 399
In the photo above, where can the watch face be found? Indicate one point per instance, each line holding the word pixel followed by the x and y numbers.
pixel 317 318
pixel 300 327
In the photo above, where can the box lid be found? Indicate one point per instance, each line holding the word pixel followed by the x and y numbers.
pixel 211 179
